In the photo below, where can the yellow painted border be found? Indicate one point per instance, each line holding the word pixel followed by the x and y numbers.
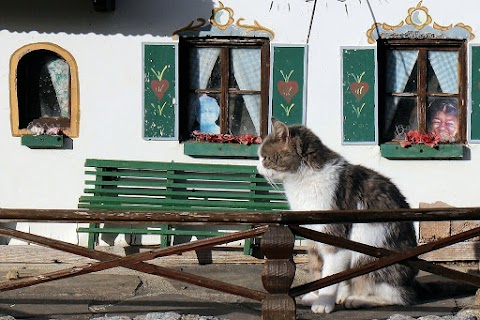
pixel 73 131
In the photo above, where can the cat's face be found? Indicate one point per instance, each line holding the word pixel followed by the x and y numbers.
pixel 278 155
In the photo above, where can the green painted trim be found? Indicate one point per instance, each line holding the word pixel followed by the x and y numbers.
pixel 442 151
pixel 220 150
pixel 42 141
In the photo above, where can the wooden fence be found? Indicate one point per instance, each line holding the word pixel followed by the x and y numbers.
pixel 277 229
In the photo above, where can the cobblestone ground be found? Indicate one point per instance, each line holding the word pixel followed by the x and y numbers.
pixel 149 316
pixel 176 316
pixel 457 317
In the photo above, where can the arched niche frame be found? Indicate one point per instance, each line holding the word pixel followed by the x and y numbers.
pixel 44 89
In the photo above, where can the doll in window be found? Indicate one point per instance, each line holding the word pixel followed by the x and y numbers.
pixel 207 114
pixel 443 119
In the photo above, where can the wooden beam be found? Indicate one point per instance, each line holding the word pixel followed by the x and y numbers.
pixel 199 217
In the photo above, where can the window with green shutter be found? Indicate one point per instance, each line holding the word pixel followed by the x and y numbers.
pixel 228 88
pixel 419 110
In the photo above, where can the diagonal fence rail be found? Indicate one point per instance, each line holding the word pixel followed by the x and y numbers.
pixel 277 229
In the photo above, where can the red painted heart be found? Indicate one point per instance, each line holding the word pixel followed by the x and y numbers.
pixel 287 89
pixel 159 88
pixel 478 85
pixel 359 89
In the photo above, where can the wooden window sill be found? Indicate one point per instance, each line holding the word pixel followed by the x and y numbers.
pixel 442 151
pixel 220 150
pixel 42 141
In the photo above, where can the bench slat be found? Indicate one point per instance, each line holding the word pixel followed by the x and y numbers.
pixel 153 208
pixel 202 176
pixel 272 195
pixel 186 185
pixel 124 164
pixel 184 203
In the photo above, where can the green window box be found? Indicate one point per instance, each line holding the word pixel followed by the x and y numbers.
pixel 421 151
pixel 220 150
pixel 42 141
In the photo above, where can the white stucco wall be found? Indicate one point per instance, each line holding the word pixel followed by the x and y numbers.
pixel 108 50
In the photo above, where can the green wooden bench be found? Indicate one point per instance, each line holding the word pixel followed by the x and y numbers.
pixel 142 185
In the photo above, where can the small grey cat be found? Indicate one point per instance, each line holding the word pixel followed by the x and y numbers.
pixel 316 178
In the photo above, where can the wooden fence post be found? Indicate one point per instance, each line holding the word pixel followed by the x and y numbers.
pixel 278 273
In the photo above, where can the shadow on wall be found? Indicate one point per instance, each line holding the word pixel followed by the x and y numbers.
pixel 158 18
pixel 11 225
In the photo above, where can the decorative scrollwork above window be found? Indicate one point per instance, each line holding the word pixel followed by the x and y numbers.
pixel 222 22
pixel 418 25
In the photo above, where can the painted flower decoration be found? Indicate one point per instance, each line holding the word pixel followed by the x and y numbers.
pixel 413 137
pixel 221 17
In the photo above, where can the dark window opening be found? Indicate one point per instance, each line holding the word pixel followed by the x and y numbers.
pixel 43 90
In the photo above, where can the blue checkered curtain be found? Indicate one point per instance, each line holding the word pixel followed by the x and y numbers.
pixel 445 66
pixel 400 64
pixel 246 69
pixel 202 62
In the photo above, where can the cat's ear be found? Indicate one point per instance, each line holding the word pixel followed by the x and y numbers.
pixel 280 130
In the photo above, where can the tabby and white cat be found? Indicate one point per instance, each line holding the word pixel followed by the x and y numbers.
pixel 316 178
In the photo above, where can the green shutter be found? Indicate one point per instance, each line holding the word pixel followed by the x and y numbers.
pixel 288 83
pixel 475 94
pixel 160 101
pixel 358 92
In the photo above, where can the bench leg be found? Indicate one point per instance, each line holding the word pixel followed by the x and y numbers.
pixel 92 236
pixel 164 238
pixel 247 247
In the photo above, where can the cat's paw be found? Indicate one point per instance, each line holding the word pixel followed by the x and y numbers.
pixel 309 298
pixel 359 302
pixel 323 304
pixel 343 293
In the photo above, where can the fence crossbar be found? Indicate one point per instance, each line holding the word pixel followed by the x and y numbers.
pixel 383 262
pixel 108 259
pixel 381 252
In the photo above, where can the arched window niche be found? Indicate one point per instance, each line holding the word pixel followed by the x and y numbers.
pixel 44 91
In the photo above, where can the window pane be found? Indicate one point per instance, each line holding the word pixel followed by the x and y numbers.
pixel 442 118
pixel 400 71
pixel 204 69
pixel 244 114
pixel 400 116
pixel 442 74
pixel 245 69
pixel 204 113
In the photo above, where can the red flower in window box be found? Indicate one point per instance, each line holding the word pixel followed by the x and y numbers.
pixel 246 139
pixel 413 137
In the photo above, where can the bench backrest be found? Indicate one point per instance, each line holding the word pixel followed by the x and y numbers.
pixel 144 185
